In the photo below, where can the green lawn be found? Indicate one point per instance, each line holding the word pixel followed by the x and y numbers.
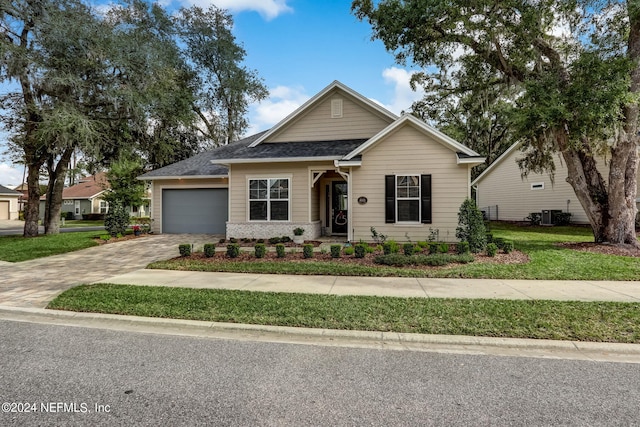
pixel 560 320
pixel 82 223
pixel 547 261
pixel 18 248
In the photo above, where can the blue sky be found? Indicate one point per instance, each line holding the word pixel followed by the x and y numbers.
pixel 298 47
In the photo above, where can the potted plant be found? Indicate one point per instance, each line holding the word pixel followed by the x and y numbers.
pixel 298 237
pixel 136 230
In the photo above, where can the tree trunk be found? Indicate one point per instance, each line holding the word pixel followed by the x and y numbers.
pixel 53 205
pixel 32 207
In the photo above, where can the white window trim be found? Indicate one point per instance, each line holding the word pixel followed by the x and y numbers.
pixel 537 186
pixel 268 199
pixel 103 204
pixel 419 198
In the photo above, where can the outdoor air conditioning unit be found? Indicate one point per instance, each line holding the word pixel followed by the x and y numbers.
pixel 549 215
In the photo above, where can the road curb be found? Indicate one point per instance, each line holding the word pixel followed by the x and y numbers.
pixel 557 349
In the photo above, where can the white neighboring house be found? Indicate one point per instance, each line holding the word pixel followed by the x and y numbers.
pixel 9 203
pixel 503 194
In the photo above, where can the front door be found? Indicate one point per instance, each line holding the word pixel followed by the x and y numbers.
pixel 339 207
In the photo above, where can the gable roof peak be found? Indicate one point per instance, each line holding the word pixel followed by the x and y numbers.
pixel 314 99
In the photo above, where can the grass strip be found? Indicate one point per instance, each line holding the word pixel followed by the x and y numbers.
pixel 18 248
pixel 541 319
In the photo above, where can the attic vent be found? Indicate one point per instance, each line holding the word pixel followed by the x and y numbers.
pixel 336 108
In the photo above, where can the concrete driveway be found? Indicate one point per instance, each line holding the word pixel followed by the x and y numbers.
pixel 34 283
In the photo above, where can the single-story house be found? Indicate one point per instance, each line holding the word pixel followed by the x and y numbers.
pixel 9 203
pixel 85 198
pixel 503 194
pixel 338 165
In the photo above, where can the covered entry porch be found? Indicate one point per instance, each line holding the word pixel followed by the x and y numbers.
pixel 331 202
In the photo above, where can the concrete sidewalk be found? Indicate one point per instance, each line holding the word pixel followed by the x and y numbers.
pixel 577 290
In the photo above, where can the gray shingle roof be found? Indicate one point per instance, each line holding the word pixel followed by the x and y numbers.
pixel 307 149
pixel 201 164
pixel 9 192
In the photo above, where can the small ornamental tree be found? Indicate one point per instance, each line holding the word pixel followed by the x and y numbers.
pixel 471 226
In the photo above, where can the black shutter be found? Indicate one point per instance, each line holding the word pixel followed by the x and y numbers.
pixel 425 184
pixel 389 198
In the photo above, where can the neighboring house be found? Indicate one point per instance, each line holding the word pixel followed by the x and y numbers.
pixel 503 194
pixel 9 203
pixel 339 165
pixel 85 198
pixel 23 189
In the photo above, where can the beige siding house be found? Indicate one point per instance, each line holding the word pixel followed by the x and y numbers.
pixel 503 194
pixel 338 166
pixel 8 203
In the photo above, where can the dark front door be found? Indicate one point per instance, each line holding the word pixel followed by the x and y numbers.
pixel 339 207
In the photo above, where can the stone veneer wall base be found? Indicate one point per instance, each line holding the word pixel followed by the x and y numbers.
pixel 266 230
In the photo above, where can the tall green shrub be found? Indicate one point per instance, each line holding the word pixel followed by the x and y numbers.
pixel 117 219
pixel 471 226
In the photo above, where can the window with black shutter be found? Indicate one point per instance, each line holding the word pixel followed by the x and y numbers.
pixel 408 198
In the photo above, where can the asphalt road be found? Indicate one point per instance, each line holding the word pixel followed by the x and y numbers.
pixel 78 376
pixel 19 231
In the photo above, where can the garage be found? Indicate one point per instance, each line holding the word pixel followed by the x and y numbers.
pixel 4 209
pixel 195 211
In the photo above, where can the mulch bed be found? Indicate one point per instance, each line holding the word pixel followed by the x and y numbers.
pixel 515 257
pixel 602 248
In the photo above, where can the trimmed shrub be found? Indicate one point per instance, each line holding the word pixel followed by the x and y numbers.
pixel 433 247
pixel 280 250
pixel 222 240
pixel 492 249
pixel 209 250
pixel 534 218
pixel 285 239
pixel 489 237
pixel 307 250
pixel 508 246
pixel 348 250
pixel 390 247
pixel 275 240
pixel 462 248
pixel 561 218
pixel 443 248
pixel 336 251
pixel 499 241
pixel 360 250
pixel 117 219
pixel 184 249
pixel 260 250
pixel 471 226
pixel 436 260
pixel 233 250
pixel 408 249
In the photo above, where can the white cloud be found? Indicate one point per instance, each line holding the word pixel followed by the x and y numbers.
pixel 282 101
pixel 403 96
pixel 269 9
pixel 10 176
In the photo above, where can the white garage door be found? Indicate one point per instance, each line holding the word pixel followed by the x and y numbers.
pixel 4 209
pixel 195 211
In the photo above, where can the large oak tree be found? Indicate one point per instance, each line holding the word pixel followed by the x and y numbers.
pixel 575 65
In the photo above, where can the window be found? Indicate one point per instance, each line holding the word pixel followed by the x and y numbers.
pixel 269 199
pixel 104 207
pixel 408 198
